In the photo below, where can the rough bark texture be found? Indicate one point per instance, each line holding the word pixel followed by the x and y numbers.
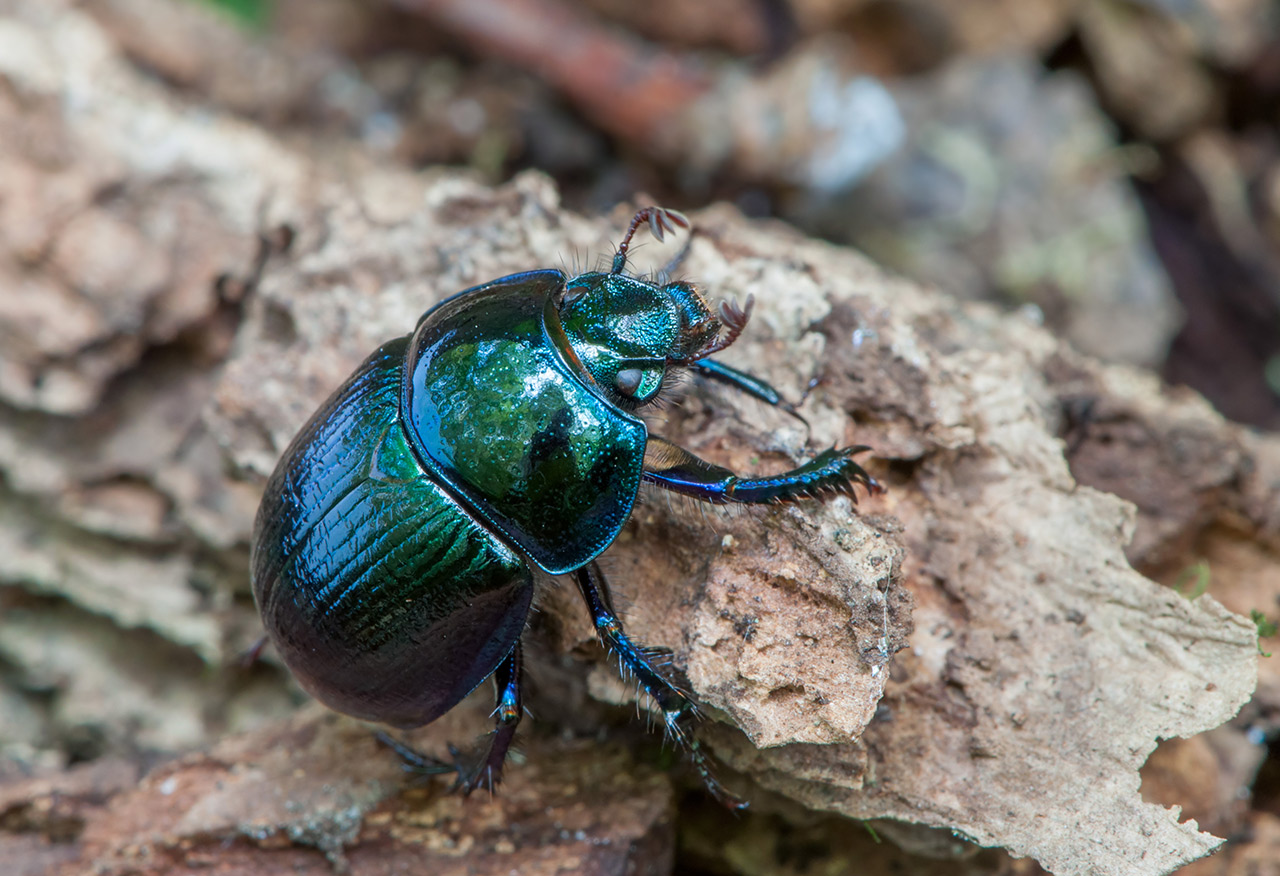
pixel 972 651
pixel 315 794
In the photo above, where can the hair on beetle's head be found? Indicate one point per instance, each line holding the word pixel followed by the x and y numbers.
pixel 627 332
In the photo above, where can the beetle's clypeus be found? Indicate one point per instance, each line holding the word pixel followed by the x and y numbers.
pixel 393 552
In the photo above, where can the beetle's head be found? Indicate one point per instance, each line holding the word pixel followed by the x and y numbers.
pixel 627 332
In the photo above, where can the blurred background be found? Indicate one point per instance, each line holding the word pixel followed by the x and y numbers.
pixel 1113 164
pixel 1109 167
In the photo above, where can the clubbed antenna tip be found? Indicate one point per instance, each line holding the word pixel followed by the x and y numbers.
pixel 662 222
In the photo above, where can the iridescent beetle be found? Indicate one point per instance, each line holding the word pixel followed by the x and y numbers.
pixel 393 552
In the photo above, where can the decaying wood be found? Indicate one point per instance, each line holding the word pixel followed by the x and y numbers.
pixel 971 651
pixel 316 794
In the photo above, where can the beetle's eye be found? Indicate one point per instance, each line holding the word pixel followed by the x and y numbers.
pixel 628 381
pixel 572 295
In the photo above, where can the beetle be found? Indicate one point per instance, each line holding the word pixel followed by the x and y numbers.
pixel 394 549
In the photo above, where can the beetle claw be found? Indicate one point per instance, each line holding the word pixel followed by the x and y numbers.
pixel 471 771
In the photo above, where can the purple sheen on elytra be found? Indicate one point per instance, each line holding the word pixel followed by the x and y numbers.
pixel 384 596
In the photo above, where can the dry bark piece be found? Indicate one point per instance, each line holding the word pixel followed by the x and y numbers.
pixel 42 817
pixel 317 792
pixel 1208 775
pixel 112 251
pixel 998 586
pixel 1168 453
pixel 124 211
pixel 1207 494
pixel 1040 669
pixel 1254 853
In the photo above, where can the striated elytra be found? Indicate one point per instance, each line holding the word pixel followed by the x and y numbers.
pixel 394 549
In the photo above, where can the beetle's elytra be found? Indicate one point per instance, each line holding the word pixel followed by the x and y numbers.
pixel 394 547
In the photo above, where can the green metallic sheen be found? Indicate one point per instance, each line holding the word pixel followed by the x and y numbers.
pixel 619 323
pixel 615 322
pixel 395 548
pixel 499 407
pixel 385 596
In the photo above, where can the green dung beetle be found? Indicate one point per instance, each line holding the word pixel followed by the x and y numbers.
pixel 394 549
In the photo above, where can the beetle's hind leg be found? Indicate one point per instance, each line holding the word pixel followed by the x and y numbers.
pixel 678 709
pixel 832 471
pixel 483 767
pixel 414 761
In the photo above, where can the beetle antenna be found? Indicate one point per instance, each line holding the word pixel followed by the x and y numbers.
pixel 733 319
pixel 662 221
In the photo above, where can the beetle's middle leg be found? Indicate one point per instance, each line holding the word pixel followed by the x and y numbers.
pixel 678 709
pixel 482 768
pixel 747 383
pixel 676 469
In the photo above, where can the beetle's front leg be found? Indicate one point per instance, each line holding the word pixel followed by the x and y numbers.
pixel 484 766
pixel 676 469
pixel 678 709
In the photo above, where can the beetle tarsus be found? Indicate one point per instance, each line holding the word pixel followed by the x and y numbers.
pixel 485 770
pixel 709 780
pixel 679 711
pixel 483 767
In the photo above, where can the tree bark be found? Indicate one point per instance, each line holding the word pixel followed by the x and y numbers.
pixel 971 651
